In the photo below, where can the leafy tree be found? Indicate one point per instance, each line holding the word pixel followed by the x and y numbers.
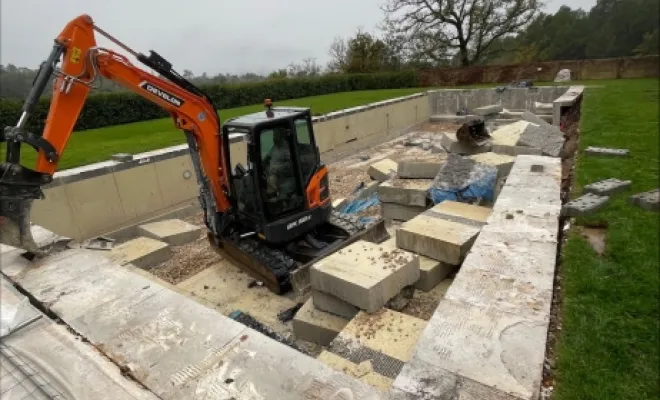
pixel 438 30
pixel 362 53
pixel 650 44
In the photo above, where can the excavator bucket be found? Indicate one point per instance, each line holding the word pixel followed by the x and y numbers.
pixel 15 228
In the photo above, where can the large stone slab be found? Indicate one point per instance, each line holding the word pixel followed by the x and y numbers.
pixel 365 274
pixel 385 338
pixel 142 252
pixel 505 140
pixel 383 170
pixel 445 232
pixel 179 348
pixel 407 192
pixel 400 212
pixel 501 351
pixel 317 326
pixel 423 169
pixel 171 231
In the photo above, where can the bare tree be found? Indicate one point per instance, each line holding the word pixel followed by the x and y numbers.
pixel 439 30
pixel 338 55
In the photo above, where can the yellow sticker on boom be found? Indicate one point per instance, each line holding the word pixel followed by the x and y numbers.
pixel 75 55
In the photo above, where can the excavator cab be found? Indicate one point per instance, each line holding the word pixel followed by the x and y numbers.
pixel 279 186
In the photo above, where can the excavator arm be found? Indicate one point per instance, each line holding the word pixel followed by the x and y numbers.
pixel 83 63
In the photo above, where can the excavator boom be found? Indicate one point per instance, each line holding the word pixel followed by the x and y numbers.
pixel 83 63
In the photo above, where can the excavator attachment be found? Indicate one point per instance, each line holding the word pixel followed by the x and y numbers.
pixel 15 224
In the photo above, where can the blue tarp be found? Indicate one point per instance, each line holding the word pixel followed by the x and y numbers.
pixel 355 206
pixel 479 189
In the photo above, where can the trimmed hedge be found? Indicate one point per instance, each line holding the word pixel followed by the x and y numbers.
pixel 107 109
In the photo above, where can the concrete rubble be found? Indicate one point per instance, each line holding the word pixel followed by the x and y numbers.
pixel 445 232
pixel 143 252
pixel 649 201
pixel 451 144
pixel 608 187
pixel 585 204
pixel 383 170
pixel 171 231
pixel 505 140
pixel 607 152
pixel 548 140
pixel 365 274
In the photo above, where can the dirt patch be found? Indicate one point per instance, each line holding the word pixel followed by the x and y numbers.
pixel 189 259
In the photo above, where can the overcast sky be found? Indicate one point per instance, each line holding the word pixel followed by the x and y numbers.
pixel 212 36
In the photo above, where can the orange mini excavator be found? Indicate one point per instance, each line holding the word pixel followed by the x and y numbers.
pixel 273 215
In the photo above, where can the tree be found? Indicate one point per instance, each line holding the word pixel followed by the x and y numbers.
pixel 362 53
pixel 438 30
pixel 307 68
pixel 338 54
pixel 650 45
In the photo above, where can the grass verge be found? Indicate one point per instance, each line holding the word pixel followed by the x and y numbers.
pixel 609 344
pixel 96 145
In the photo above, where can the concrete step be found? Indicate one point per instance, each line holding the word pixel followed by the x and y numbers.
pixel 143 252
pixel 364 274
pixel 172 231
pixel 445 232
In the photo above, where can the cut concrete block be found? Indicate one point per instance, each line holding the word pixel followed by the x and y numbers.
pixel 488 110
pixel 647 200
pixel 172 231
pixel 316 326
pixel 143 252
pixel 448 118
pixel 408 192
pixel 583 205
pixel 431 273
pixel 445 232
pixel 452 145
pixel 549 141
pixel 368 189
pixel 412 169
pixel 365 274
pixel 603 151
pixel 333 305
pixel 385 338
pixel 400 212
pixel 608 187
pixel 383 170
pixel 363 371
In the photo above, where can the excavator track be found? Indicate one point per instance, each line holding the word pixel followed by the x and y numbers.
pixel 280 270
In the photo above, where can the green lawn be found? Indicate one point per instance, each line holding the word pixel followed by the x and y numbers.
pixel 609 343
pixel 96 145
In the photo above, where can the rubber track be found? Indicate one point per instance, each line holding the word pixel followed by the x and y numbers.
pixel 279 262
